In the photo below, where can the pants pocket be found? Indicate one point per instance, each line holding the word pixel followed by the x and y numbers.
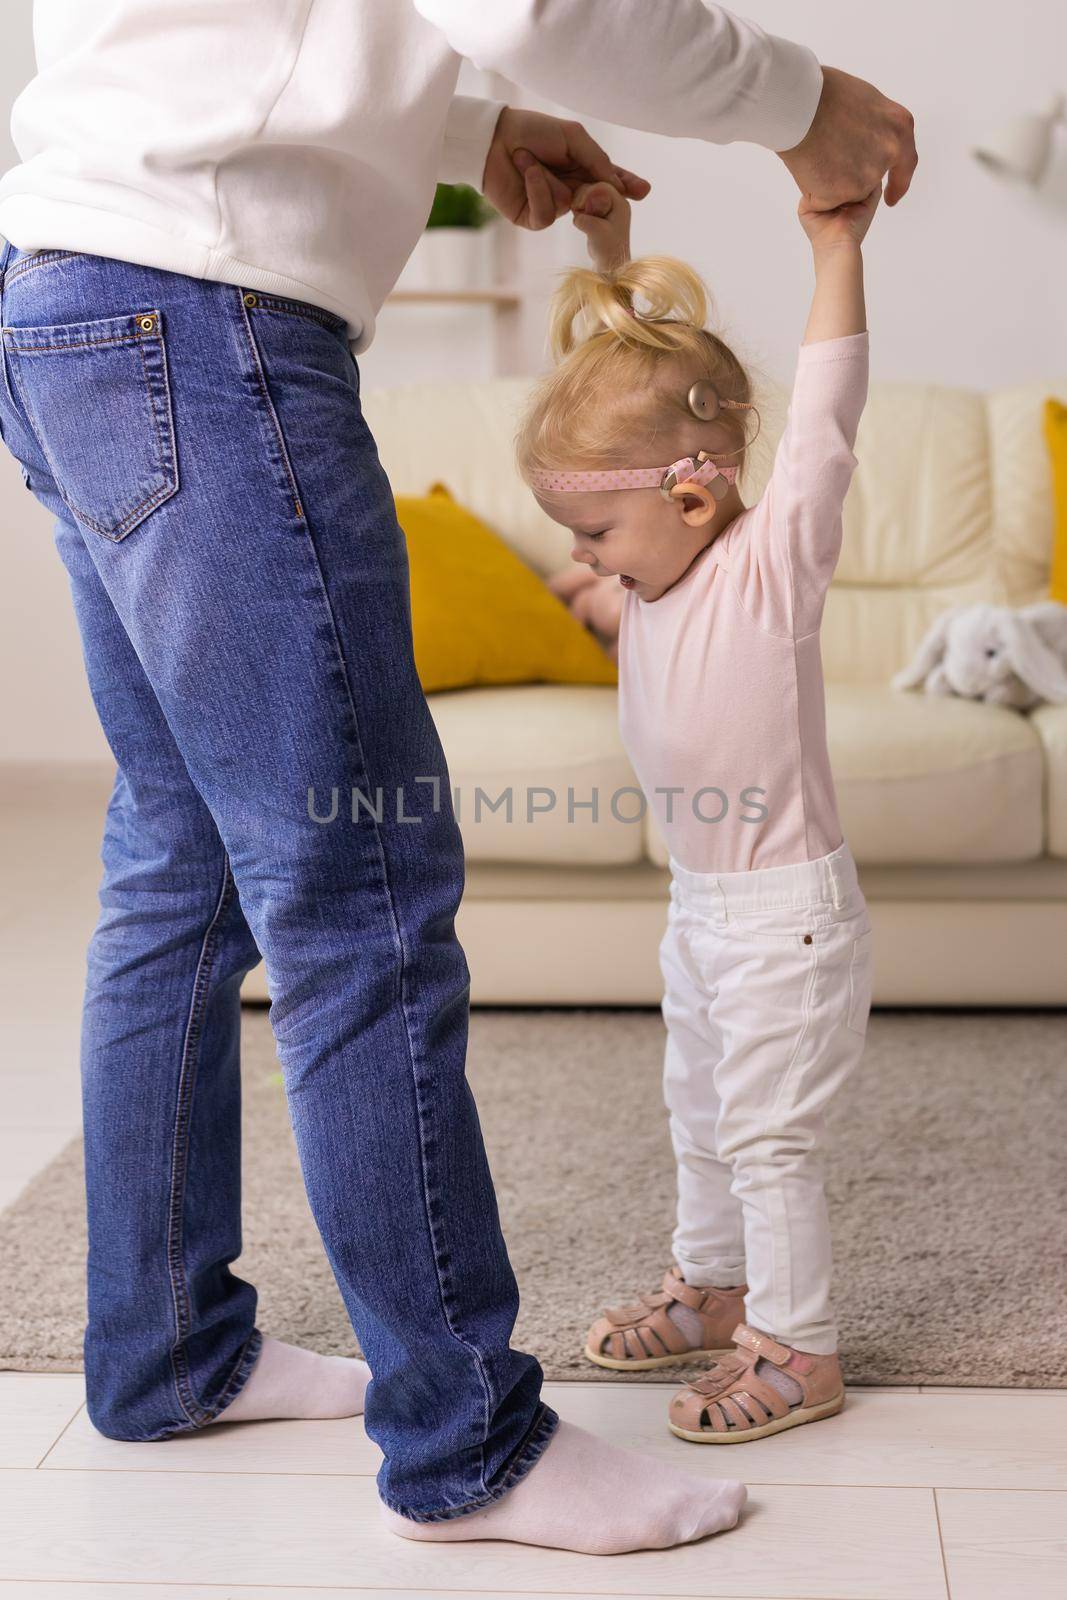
pixel 256 300
pixel 860 979
pixel 97 396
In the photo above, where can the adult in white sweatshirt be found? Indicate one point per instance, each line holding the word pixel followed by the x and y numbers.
pixel 212 202
pixel 294 145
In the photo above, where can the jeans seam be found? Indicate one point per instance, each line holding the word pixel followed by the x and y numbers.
pixel 19 270
pixel 264 389
pixel 282 307
pixel 157 392
pixel 5 278
pixel 527 1454
pixel 246 1360
pixel 402 985
pixel 180 1150
pixel 23 406
pixel 75 344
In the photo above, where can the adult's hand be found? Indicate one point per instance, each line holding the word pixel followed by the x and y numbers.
pixel 537 163
pixel 856 137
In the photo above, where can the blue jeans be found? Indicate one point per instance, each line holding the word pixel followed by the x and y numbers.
pixel 241 587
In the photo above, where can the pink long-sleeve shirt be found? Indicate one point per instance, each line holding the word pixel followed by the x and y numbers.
pixel 721 695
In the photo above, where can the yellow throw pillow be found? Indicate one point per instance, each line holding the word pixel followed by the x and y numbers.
pixel 1056 438
pixel 480 615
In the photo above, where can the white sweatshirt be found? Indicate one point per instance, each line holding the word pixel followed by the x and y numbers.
pixel 293 146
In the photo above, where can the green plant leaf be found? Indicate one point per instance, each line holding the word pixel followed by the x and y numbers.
pixel 458 205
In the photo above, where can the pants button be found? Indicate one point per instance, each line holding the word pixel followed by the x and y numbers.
pixel 807 938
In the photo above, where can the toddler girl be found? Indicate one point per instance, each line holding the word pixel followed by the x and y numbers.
pixel 633 442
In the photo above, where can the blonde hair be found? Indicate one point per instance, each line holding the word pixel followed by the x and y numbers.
pixel 618 394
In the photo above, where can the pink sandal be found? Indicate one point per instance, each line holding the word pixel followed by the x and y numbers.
pixel 637 1338
pixel 732 1404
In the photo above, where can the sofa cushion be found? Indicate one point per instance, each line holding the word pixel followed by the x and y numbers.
pixel 930 778
pixel 1054 415
pixel 918 528
pixel 1022 489
pixel 479 615
pixel 539 754
pixel 1050 725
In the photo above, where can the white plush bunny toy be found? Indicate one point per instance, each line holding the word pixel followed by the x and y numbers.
pixel 984 652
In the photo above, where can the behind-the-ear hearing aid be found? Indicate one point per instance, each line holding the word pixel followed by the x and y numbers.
pixel 704 402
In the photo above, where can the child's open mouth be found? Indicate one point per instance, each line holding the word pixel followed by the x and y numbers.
pixel 626 581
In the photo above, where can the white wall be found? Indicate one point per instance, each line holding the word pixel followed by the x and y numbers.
pixel 965 278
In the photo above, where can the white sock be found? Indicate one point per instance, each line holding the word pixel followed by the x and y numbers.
pixel 787 1387
pixel 583 1494
pixel 687 1322
pixel 289 1382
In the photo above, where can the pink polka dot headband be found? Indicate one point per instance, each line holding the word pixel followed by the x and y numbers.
pixel 687 469
pixel 704 402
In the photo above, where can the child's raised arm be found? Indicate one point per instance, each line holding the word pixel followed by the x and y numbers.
pixel 783 566
pixel 837 306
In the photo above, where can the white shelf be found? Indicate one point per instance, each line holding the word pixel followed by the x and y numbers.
pixel 498 296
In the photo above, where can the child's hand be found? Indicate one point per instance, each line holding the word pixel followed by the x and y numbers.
pixel 600 607
pixel 603 215
pixel 568 583
pixel 847 223
pixel 593 601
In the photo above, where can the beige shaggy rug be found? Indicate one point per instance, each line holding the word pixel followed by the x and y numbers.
pixel 946 1170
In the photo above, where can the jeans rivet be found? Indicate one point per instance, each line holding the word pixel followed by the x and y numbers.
pixel 146 324
pixel 807 938
pixel 250 300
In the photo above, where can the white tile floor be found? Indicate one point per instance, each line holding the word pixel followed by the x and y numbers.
pixel 907 1495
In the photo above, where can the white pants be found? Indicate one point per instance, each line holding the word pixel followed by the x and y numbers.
pixel 767 980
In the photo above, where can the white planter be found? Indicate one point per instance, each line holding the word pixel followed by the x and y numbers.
pixel 450 258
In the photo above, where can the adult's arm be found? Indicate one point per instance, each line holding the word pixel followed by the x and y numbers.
pixel 469 128
pixel 679 67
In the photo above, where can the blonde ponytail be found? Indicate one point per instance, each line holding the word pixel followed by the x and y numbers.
pixel 672 291
pixel 628 344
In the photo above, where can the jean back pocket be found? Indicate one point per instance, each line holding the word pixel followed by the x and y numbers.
pixel 97 396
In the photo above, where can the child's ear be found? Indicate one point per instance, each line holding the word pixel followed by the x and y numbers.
pixel 697 503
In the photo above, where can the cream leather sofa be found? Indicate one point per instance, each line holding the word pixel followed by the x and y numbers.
pixel 956 812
